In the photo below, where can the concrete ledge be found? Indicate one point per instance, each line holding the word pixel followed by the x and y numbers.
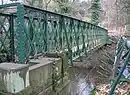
pixel 41 62
pixel 26 79
pixel 13 77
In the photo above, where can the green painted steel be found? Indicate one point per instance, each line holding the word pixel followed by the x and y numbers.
pixel 11 38
pixel 120 48
pixel 32 31
pixel 114 84
pixel 21 34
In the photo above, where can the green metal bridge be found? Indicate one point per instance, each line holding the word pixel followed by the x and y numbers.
pixel 26 32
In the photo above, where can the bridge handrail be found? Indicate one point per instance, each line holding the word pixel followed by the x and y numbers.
pixel 16 4
pixel 32 31
pixel 121 46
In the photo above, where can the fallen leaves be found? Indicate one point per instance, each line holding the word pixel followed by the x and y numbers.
pixel 121 89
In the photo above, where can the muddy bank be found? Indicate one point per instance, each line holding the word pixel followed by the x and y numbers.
pixel 100 62
pixel 95 69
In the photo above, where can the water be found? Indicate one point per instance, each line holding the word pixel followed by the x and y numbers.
pixel 80 84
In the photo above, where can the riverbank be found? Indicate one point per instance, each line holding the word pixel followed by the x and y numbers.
pixel 94 70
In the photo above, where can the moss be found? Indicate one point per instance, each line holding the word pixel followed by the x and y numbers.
pixel 94 91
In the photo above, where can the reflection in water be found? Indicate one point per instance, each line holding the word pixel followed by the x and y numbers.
pixel 79 85
pixel 86 88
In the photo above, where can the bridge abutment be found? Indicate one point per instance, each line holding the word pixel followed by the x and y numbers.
pixel 45 76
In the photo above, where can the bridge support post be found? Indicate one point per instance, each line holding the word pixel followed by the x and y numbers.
pixel 20 33
pixel 12 38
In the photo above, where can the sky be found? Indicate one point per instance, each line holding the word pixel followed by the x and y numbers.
pixel 8 1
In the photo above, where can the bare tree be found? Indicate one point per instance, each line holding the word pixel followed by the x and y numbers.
pixel 47 2
pixel 39 3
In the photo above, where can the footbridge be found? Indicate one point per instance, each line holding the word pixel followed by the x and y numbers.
pixel 37 47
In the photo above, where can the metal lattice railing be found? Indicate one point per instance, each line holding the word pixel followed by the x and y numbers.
pixel 121 61
pixel 28 31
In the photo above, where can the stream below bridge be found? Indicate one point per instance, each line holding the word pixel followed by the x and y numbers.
pixel 95 69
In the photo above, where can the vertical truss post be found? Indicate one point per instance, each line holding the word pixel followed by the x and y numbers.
pixel 83 38
pixel 61 32
pixel 68 45
pixel 78 38
pixel 46 32
pixel 87 37
pixel 12 38
pixel 21 34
